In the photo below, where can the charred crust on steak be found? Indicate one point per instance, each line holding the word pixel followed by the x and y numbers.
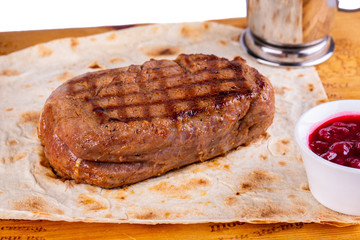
pixel 190 67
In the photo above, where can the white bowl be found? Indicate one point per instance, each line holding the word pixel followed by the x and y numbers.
pixel 335 186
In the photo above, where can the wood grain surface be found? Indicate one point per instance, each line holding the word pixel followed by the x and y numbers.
pixel 341 78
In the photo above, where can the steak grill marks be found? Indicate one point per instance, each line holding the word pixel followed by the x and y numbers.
pixel 193 88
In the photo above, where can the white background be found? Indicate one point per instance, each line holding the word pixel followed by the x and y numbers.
pixel 19 15
pixel 51 14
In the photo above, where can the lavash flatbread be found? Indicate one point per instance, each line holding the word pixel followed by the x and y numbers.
pixel 264 182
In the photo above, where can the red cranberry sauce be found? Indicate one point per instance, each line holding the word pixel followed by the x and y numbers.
pixel 338 140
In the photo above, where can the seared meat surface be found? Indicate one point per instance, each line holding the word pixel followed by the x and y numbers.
pixel 120 126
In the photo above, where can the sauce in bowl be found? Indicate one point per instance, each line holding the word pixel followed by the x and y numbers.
pixel 332 130
pixel 338 140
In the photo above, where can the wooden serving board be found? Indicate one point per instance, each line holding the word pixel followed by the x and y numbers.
pixel 341 78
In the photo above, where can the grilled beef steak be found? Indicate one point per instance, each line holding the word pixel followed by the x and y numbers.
pixel 120 126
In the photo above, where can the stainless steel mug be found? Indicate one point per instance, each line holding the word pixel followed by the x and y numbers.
pixel 290 32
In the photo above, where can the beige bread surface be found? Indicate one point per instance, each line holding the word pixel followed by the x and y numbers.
pixel 261 183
